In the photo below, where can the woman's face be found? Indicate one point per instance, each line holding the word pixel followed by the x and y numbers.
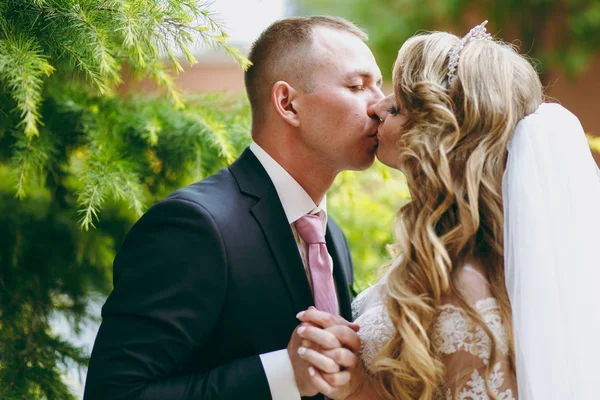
pixel 393 118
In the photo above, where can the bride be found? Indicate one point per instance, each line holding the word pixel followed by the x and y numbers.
pixel 493 291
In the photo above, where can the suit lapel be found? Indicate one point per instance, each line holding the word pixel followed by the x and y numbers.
pixel 271 217
pixel 340 270
pixel 268 212
pixel 253 180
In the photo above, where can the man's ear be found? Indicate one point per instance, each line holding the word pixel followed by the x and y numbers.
pixel 283 97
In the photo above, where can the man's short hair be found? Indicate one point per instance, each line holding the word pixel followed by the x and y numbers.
pixel 280 53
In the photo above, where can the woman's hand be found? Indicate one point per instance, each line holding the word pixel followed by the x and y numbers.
pixel 331 345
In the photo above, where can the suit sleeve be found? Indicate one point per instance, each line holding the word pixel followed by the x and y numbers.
pixel 170 284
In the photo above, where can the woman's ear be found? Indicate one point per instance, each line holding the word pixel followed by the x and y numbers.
pixel 282 99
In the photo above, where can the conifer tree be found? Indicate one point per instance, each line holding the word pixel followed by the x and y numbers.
pixel 75 156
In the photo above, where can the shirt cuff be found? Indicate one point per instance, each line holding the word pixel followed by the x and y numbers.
pixel 280 375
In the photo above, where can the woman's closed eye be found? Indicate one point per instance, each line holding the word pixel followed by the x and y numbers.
pixel 394 110
pixel 357 87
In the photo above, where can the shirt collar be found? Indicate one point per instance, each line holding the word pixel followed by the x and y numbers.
pixel 294 199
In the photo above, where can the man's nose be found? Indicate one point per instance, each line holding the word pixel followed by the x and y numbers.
pixel 378 95
pixel 376 110
pixel 373 113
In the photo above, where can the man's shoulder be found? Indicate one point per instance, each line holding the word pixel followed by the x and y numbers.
pixel 224 188
pixel 215 198
pixel 214 189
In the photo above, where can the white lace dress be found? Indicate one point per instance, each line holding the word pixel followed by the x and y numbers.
pixel 463 350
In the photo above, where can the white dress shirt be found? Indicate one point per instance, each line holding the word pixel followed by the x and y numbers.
pixel 296 203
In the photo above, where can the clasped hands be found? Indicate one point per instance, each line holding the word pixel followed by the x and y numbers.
pixel 324 353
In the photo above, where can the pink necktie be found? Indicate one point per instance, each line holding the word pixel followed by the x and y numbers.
pixel 310 229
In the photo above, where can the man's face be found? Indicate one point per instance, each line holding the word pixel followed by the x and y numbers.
pixel 335 121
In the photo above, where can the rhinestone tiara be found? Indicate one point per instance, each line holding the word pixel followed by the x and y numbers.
pixel 477 33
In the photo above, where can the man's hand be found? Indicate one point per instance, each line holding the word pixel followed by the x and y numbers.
pixel 331 346
pixel 301 366
pixel 309 340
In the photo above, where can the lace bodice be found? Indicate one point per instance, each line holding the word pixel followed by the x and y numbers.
pixel 463 350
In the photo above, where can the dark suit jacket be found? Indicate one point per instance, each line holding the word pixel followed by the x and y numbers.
pixel 206 281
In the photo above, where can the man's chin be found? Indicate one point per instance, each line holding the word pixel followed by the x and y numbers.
pixel 366 163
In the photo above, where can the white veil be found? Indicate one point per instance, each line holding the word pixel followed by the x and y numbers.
pixel 551 194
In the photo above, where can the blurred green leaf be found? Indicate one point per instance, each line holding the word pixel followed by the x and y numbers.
pixel 594 142
pixel 365 204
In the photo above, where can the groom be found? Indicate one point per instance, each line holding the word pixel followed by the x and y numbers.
pixel 208 283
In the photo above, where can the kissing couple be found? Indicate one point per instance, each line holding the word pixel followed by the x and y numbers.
pixel 237 287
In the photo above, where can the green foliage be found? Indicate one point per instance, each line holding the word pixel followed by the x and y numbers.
pixel 365 204
pixel 125 149
pixel 47 265
pixel 96 38
pixel 23 67
pixel 594 143
pixel 71 151
pixel 559 33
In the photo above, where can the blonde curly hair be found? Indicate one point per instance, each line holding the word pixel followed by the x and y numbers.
pixel 453 153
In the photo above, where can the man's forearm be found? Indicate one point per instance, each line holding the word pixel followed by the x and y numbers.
pixel 238 379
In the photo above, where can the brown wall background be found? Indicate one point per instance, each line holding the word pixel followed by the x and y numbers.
pixel 581 96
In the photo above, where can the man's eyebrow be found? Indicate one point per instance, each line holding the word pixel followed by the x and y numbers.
pixel 367 75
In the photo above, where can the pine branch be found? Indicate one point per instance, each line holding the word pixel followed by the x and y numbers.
pixel 152 128
pixel 217 134
pixel 97 43
pixel 23 168
pixel 98 37
pixel 131 30
pixel 198 175
pixel 89 70
pixel 125 186
pixel 174 60
pixel 214 35
pixel 107 173
pixel 82 34
pixel 92 194
pixel 162 77
pixel 79 36
pixel 30 155
pixel 22 69
pixel 238 57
